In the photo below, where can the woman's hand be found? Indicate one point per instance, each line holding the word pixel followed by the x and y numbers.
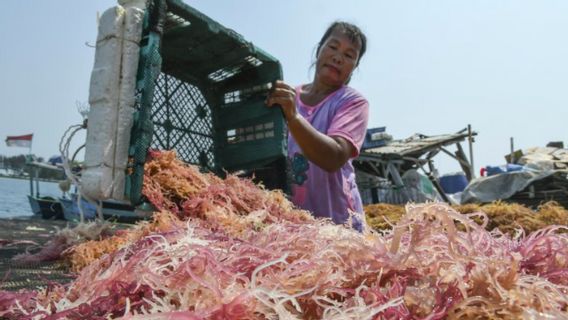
pixel 284 96
pixel 329 153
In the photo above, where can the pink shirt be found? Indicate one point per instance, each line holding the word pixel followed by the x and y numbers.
pixel 343 113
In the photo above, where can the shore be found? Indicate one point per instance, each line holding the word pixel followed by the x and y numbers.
pixel 30 234
pixel 21 235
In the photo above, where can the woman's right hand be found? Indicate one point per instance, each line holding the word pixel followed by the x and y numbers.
pixel 284 96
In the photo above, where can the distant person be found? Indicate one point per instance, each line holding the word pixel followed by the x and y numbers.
pixel 327 122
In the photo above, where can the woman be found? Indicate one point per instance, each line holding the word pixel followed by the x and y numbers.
pixel 327 122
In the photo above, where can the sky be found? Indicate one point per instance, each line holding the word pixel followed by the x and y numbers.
pixel 432 67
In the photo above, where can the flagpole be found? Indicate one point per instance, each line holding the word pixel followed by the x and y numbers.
pixel 33 173
pixel 36 169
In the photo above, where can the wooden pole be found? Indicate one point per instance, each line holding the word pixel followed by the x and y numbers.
pixel 512 158
pixel 470 140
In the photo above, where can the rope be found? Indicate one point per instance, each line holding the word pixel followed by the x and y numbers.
pixel 110 37
pixel 64 144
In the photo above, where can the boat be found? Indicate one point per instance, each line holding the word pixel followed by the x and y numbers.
pixel 113 210
pixel 71 210
pixel 66 207
pixel 46 207
pixel 120 211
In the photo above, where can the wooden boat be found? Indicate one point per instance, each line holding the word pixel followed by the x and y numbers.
pixel 111 209
pixel 46 207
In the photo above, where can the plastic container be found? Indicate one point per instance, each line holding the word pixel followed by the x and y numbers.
pixel 453 183
pixel 200 90
pixel 371 140
pixel 493 170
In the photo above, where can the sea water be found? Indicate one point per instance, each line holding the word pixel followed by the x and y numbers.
pixel 14 196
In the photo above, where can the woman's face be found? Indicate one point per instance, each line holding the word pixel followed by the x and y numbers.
pixel 337 58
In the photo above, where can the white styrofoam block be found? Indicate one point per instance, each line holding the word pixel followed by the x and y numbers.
pixel 97 178
pixel 133 24
pixel 128 70
pixel 130 56
pixel 118 186
pixel 124 126
pixel 104 86
pixel 105 76
pixel 101 130
pixel 96 183
pixel 111 23
pixel 141 4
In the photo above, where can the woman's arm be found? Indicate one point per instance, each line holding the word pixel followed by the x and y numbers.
pixel 328 153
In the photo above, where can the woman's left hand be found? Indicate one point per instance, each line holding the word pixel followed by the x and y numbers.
pixel 284 96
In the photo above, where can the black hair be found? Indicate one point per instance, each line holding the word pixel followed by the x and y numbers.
pixel 349 29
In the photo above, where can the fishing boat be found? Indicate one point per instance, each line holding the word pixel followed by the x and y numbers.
pixel 71 211
pixel 112 210
pixel 67 206
pixel 45 207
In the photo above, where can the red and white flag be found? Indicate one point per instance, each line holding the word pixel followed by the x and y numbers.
pixel 20 141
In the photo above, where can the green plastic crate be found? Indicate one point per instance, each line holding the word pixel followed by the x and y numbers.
pixel 200 90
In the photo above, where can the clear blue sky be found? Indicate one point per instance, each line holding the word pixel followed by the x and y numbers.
pixel 432 67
